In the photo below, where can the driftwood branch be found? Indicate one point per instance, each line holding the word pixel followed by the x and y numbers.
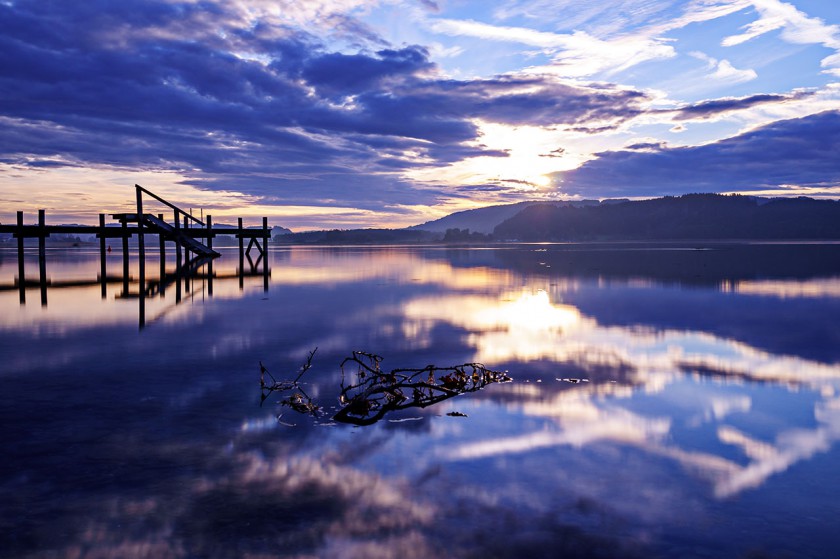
pixel 375 393
pixel 370 393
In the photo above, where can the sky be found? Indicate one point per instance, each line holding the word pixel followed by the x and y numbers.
pixel 344 114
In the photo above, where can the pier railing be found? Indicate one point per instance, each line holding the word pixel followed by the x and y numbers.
pixel 178 211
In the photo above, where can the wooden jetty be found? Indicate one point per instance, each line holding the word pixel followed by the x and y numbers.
pixel 192 238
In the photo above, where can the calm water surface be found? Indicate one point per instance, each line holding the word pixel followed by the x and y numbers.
pixel 667 402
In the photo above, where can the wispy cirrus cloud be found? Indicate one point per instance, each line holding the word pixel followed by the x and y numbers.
pixel 795 27
pixel 576 54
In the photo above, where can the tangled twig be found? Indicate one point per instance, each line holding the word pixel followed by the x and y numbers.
pixel 372 393
pixel 298 400
pixel 376 393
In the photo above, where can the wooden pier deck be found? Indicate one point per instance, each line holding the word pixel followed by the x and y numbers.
pixel 192 239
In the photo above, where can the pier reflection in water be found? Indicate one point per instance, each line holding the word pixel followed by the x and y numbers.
pixel 185 277
pixel 666 401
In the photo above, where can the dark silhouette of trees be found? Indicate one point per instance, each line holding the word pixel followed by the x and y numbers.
pixel 693 216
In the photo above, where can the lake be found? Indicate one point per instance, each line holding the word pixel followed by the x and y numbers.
pixel 665 401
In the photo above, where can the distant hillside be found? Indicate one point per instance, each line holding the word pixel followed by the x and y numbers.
pixel 693 216
pixel 481 220
pixel 484 220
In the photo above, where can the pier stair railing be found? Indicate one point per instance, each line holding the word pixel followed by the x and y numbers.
pixel 176 233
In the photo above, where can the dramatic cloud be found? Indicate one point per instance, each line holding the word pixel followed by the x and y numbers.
pixel 389 108
pixel 267 110
pixel 798 152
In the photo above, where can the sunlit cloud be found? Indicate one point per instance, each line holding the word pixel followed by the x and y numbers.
pixel 575 54
pixel 724 71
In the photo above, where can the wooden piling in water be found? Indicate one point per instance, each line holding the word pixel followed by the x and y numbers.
pixel 241 256
pixel 162 243
pixel 141 246
pixel 141 241
pixel 266 236
pixel 177 245
pixel 102 251
pixel 42 254
pixel 125 255
pixel 186 255
pixel 210 246
pixel 21 266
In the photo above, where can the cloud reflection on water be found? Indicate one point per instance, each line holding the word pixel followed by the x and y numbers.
pixel 815 288
pixel 528 326
pixel 270 507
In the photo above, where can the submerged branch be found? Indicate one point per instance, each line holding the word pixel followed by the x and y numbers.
pixel 371 393
pixel 298 400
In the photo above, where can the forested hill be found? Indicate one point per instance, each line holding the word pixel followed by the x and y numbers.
pixel 481 220
pixel 693 216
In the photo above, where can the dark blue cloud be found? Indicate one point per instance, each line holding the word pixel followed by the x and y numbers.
pixel 708 109
pixel 346 75
pixel 269 110
pixel 430 5
pixel 800 151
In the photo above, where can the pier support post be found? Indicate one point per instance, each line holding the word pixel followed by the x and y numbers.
pixel 178 253
pixel 187 256
pixel 102 267
pixel 141 249
pixel 21 266
pixel 141 240
pixel 178 282
pixel 241 256
pixel 210 246
pixel 266 235
pixel 125 256
pixel 42 255
pixel 162 241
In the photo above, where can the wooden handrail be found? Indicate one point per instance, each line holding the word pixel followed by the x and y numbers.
pixel 170 204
